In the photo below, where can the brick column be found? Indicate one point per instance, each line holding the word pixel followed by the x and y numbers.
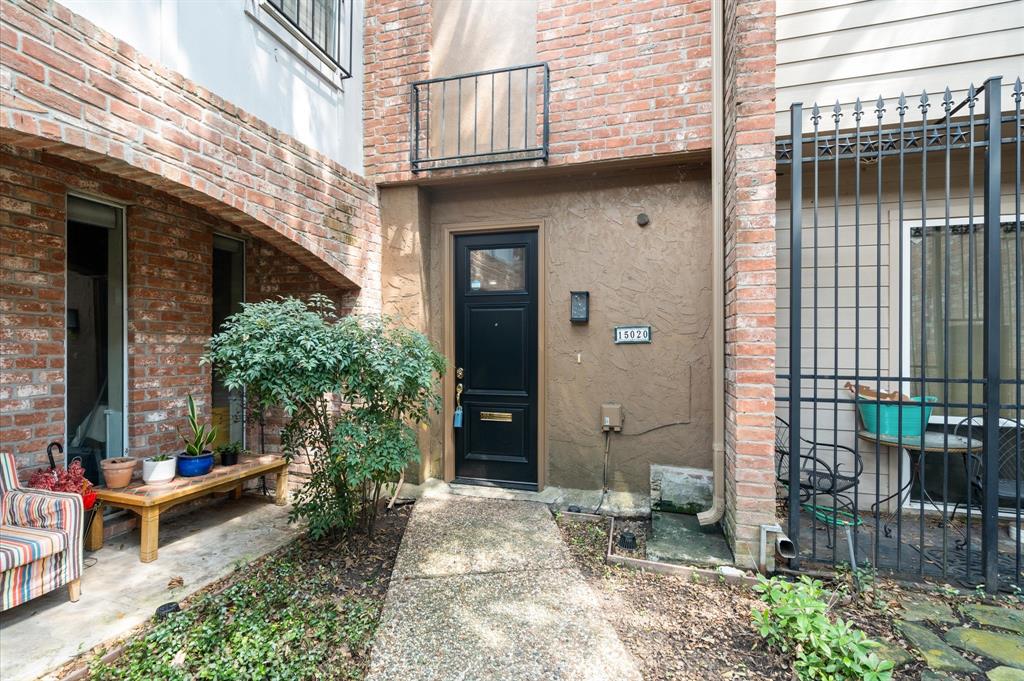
pixel 750 271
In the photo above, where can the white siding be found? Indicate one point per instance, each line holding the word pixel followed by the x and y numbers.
pixel 238 51
pixel 831 50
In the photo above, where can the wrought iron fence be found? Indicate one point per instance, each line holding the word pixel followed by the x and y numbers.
pixel 900 292
pixel 481 118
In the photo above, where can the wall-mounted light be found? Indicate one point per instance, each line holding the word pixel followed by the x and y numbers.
pixel 579 307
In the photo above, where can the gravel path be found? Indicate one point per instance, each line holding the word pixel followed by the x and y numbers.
pixel 486 589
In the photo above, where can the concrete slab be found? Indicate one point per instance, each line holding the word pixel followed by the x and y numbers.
pixel 679 538
pixel 119 592
pixel 485 589
pixel 678 489
pixel 450 535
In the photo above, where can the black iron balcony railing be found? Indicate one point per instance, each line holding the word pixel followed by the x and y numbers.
pixel 496 116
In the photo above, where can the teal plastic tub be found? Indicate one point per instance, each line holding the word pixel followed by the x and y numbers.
pixel 885 419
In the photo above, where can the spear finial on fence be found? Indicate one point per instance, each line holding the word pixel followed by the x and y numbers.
pixel 1017 91
pixel 972 96
pixel 924 105
pixel 837 112
pixel 947 100
pixel 815 114
pixel 901 106
pixel 880 107
pixel 858 110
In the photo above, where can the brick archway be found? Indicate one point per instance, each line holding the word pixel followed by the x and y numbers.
pixel 73 90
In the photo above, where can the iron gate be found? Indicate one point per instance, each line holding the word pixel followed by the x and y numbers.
pixel 900 296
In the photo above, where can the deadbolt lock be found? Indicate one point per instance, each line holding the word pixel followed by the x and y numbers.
pixel 459 373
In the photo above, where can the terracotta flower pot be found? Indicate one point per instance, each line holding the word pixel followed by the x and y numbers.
pixel 117 472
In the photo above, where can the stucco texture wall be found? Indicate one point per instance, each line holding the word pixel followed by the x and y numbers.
pixel 657 275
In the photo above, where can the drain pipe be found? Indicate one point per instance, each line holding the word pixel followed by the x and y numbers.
pixel 783 546
pixel 714 514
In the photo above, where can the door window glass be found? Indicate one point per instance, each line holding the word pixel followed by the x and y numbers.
pixel 497 269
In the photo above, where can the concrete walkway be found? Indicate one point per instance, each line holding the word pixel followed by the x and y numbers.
pixel 486 589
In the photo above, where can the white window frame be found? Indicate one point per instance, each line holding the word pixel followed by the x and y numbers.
pixel 902 281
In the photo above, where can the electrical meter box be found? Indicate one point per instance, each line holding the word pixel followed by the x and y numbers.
pixel 611 417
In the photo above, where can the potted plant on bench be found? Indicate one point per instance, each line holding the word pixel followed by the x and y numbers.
pixel 229 453
pixel 159 469
pixel 72 479
pixel 196 459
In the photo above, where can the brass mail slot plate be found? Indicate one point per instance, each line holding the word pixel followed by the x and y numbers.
pixel 503 416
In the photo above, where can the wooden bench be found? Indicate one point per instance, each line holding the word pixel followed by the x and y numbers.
pixel 149 501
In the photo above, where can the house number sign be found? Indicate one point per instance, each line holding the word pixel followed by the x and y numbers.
pixel 632 334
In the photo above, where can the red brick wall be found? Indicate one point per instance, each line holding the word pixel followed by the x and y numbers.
pixel 628 79
pixel 74 90
pixel 750 271
pixel 170 248
pixel 396 52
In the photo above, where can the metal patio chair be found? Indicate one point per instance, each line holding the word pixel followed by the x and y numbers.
pixel 821 478
pixel 1009 434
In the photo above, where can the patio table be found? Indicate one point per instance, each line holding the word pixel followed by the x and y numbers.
pixel 933 442
pixel 149 501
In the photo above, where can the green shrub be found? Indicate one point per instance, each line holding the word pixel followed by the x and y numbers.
pixel 796 622
pixel 353 389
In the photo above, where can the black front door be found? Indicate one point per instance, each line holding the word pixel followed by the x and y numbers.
pixel 496 358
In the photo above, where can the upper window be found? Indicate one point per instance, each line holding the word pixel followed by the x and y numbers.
pixel 322 25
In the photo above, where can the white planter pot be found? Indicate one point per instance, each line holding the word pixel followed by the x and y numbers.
pixel 157 472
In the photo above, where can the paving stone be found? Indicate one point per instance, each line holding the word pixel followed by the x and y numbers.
pixel 932 675
pixel 1005 674
pixel 995 616
pixel 1006 649
pixel 894 653
pixel 920 608
pixel 937 655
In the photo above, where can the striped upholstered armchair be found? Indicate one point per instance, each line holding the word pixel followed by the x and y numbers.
pixel 40 539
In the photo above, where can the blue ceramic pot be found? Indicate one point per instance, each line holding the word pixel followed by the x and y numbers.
pixel 191 466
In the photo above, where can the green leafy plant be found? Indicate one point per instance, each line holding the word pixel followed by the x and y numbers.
pixel 231 448
pixel 283 618
pixel 202 435
pixel 160 457
pixel 796 622
pixel 352 388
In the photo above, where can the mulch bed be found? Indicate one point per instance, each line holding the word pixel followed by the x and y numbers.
pixel 682 629
pixel 318 602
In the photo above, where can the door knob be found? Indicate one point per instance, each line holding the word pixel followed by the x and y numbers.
pixel 458 395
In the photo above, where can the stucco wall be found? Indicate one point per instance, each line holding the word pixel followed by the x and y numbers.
pixel 657 275
pixel 469 36
pixel 241 53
